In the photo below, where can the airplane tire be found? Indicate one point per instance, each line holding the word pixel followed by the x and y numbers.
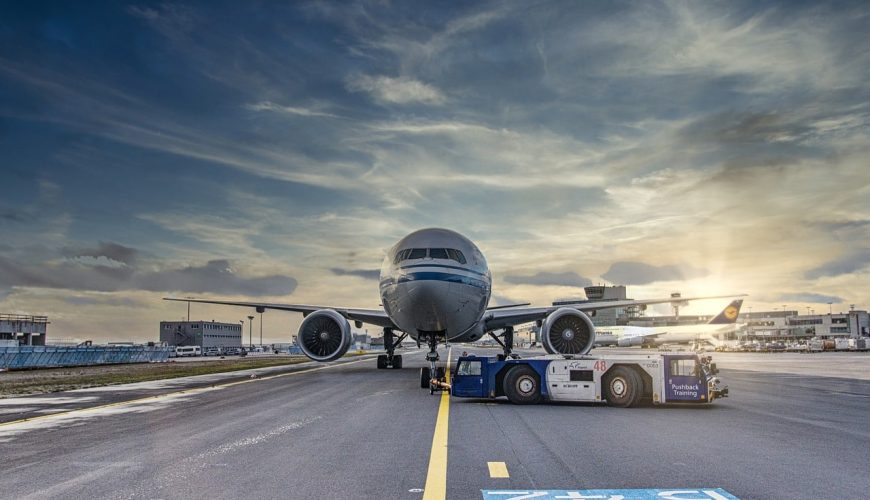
pixel 397 361
pixel 382 361
pixel 623 387
pixel 424 377
pixel 522 385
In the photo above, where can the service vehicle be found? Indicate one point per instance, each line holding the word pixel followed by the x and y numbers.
pixel 188 350
pixel 619 380
pixel 212 351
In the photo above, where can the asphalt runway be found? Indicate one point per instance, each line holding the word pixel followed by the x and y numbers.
pixel 351 431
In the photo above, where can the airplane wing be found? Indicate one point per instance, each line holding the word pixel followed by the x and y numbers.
pixel 376 317
pixel 509 317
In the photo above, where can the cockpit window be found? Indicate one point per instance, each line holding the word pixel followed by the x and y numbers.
pixel 401 255
pixel 416 253
pixel 438 253
pixel 456 255
pixel 433 253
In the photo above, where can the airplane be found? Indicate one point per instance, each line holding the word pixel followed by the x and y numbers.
pixel 628 336
pixel 435 287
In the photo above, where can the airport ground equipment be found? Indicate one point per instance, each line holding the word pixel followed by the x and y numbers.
pixel 619 380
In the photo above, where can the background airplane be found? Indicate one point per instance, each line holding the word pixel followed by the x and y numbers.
pixel 713 331
pixel 435 287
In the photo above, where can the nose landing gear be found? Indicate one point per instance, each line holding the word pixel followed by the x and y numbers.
pixel 432 376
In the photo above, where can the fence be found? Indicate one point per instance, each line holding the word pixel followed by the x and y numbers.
pixel 12 358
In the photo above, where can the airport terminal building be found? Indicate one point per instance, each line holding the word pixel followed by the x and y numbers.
pixel 786 325
pixel 204 334
pixel 18 329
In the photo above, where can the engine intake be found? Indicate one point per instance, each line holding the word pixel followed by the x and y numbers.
pixel 567 331
pixel 324 335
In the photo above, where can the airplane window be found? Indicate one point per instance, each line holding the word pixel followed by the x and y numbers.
pixel 456 255
pixel 438 253
pixel 400 256
pixel 417 253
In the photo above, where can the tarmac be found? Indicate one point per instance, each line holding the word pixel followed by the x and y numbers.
pixel 348 430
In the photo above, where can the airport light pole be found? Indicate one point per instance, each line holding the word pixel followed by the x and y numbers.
pixel 261 329
pixel 251 331
pixel 188 309
pixel 749 323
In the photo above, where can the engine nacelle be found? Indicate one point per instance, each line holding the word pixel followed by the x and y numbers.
pixel 567 331
pixel 631 341
pixel 324 335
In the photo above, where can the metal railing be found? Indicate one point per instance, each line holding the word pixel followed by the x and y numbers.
pixel 13 358
pixel 25 318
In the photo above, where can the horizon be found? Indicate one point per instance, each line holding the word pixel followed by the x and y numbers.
pixel 222 150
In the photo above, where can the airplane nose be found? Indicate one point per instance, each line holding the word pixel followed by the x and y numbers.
pixel 431 304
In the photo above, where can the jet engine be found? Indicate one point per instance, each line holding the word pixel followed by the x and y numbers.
pixel 324 335
pixel 631 341
pixel 567 331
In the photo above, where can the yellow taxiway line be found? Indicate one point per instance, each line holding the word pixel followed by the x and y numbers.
pixel 436 479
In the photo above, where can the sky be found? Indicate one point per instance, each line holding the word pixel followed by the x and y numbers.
pixel 269 152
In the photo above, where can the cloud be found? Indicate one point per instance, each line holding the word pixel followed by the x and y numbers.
pixel 216 276
pixel 639 273
pixel 369 274
pixel 812 298
pixel 544 278
pixel 13 216
pixel 289 110
pixel 112 251
pixel 851 262
pixel 400 90
pixel 78 300
pixel 501 300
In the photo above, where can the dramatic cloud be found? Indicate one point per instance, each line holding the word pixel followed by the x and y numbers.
pixel 811 298
pixel 639 273
pixel 543 278
pixel 850 262
pixel 369 274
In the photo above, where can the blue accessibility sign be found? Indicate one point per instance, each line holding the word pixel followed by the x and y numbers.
pixel 655 494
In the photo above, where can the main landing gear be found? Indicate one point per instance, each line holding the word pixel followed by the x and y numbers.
pixel 508 344
pixel 390 359
pixel 433 376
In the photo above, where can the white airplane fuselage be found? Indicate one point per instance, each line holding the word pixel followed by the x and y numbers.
pixel 436 282
pixel 680 334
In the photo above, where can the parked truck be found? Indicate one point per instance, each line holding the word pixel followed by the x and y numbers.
pixel 619 380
